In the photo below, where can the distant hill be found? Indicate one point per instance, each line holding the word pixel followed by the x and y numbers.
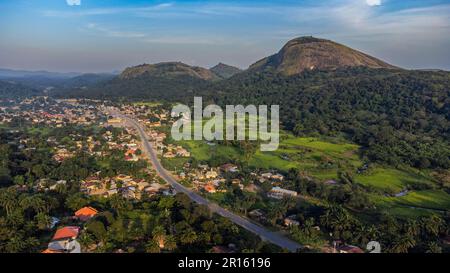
pixel 161 81
pixel 11 73
pixel 85 80
pixel 225 71
pixel 14 90
pixel 45 80
pixel 167 70
pixel 309 53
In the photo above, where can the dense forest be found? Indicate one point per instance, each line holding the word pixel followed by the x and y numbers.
pixel 143 87
pixel 399 116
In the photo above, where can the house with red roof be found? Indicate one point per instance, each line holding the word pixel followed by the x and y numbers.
pixel 85 213
pixel 69 232
pixel 350 249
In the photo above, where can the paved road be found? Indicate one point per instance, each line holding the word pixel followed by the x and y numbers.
pixel 265 234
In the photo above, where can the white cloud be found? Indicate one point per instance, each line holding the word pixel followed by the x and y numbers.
pixel 154 39
pixel 73 2
pixel 373 2
pixel 115 33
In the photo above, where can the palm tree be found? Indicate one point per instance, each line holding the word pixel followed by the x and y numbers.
pixel 288 202
pixel 15 244
pixel 171 243
pixel 152 247
pixel 372 233
pixel 403 243
pixel 159 235
pixel 33 202
pixel 85 240
pixel 337 218
pixel 434 247
pixel 43 220
pixel 188 237
pixel 432 225
pixel 246 203
pixel 277 211
pixel 8 200
pixel 412 228
pixel 118 203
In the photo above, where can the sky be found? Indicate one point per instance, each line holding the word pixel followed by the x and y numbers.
pixel 109 35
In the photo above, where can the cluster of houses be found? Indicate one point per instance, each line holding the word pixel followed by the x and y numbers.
pixel 276 180
pixel 172 151
pixel 65 238
pixel 125 141
pixel 166 150
pixel 152 121
pixel 46 111
pixel 209 179
pixel 124 185
pixel 62 152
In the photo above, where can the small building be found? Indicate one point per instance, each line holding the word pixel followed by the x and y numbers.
pixel 114 120
pixel 277 177
pixel 211 174
pixel 66 233
pixel 221 249
pixel 54 221
pixel 64 246
pixel 85 213
pixel 279 193
pixel 350 249
pixel 257 213
pixel 229 168
pixel 331 182
pixel 210 188
pixel 289 222
pixel 52 251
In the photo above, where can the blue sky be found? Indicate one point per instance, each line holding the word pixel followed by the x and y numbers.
pixel 107 35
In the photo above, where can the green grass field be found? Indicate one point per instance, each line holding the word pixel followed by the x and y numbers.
pixel 415 203
pixel 428 199
pixel 321 159
pixel 319 145
pixel 173 164
pixel 391 180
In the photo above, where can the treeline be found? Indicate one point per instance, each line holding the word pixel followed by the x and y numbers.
pixel 139 88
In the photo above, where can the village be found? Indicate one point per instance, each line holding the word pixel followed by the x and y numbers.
pixel 202 178
pixel 115 137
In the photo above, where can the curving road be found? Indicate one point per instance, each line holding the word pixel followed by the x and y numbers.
pixel 265 234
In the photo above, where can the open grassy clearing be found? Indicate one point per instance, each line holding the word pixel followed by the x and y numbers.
pixel 391 180
pixel 320 159
pixel 414 204
pixel 428 199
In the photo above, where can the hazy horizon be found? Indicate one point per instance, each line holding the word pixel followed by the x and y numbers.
pixel 104 36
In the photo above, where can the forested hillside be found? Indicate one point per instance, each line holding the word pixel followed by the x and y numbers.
pixel 398 116
pixel 12 90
